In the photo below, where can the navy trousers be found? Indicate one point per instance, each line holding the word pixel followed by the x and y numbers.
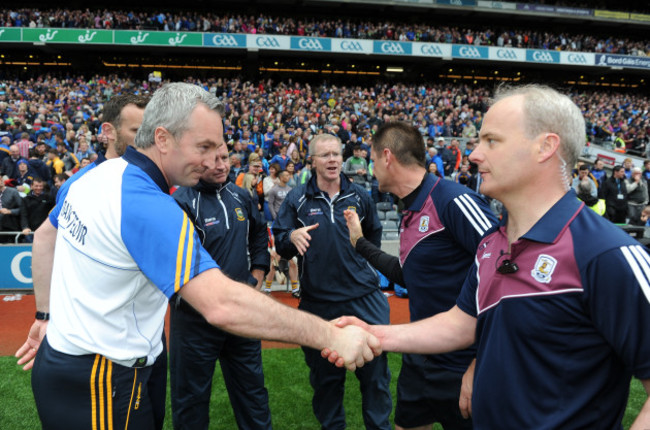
pixel 194 348
pixel 328 380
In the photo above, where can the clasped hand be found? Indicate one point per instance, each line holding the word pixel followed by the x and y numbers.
pixel 361 347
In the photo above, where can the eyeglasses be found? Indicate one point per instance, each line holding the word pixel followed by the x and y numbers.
pixel 329 155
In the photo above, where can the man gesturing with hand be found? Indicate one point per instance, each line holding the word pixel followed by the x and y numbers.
pixel 334 279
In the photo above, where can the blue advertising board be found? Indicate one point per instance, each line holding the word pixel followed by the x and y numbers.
pixel 16 267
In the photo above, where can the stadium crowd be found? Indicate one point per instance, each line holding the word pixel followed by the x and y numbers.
pixel 50 128
pixel 519 37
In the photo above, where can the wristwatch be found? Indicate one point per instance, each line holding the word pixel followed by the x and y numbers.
pixel 42 316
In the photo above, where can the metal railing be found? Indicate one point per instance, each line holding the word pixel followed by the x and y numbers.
pixel 17 234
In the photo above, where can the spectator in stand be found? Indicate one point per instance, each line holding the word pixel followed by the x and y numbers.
pixel 268 183
pixel 5 152
pixel 598 172
pixel 13 216
pixel 236 166
pixel 59 180
pixel 637 193
pixel 38 204
pixel 451 157
pixel 24 145
pixel 54 163
pixel 9 167
pixel 356 167
pixel 646 174
pixel 25 177
pixel 615 195
pixel 627 166
pixel 281 159
pixel 278 193
pixel 70 161
pixel 84 150
pixel 239 149
pixel 585 192
pixel 397 29
pixel 293 176
pixel 463 176
pixel 584 173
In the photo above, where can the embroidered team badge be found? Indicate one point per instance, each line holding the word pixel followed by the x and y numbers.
pixel 240 214
pixel 424 224
pixel 352 208
pixel 543 269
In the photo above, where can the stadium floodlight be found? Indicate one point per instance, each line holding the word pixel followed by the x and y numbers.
pixel 394 69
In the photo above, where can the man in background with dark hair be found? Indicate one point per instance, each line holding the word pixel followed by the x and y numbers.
pixel 615 195
pixel 441 229
pixel 38 204
pixel 13 216
pixel 122 117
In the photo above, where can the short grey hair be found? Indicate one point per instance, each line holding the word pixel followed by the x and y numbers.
pixel 321 138
pixel 584 186
pixel 547 110
pixel 170 107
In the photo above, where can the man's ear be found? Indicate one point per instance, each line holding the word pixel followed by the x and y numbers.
pixel 109 131
pixel 548 146
pixel 163 139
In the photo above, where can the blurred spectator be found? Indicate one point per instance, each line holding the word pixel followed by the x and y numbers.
pixel 637 193
pixel 70 161
pixel 615 195
pixel 598 172
pixel 585 192
pixel 38 204
pixel 83 149
pixel 413 29
pixel 59 180
pixel 24 177
pixel 54 162
pixel 24 145
pixel 13 216
pixel 279 192
pixel 9 165
pixel 584 173
pixel 356 167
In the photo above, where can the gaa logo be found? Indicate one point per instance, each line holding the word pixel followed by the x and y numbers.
pixel 543 57
pixel 391 48
pixel 224 40
pixel 311 44
pixel 506 54
pixel 351 46
pixel 432 50
pixel 577 59
pixel 267 42
pixel 469 52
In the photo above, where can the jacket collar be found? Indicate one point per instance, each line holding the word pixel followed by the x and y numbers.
pixel 556 220
pixel 132 156
pixel 313 190
pixel 414 202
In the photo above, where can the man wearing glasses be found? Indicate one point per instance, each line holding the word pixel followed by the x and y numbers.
pixel 334 278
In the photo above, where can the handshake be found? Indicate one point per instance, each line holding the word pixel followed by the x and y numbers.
pixel 355 344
